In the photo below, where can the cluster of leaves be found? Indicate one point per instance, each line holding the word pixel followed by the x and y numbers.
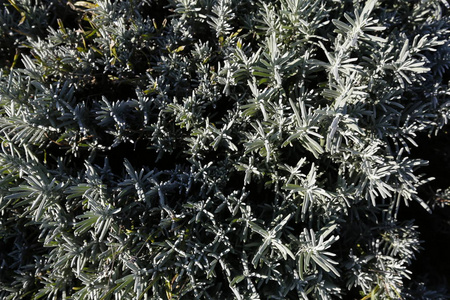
pixel 215 148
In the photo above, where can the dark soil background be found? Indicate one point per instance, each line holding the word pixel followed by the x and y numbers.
pixel 433 262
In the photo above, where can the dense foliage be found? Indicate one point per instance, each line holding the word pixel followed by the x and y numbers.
pixel 216 149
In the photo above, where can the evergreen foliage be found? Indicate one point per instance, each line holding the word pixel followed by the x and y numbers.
pixel 216 149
